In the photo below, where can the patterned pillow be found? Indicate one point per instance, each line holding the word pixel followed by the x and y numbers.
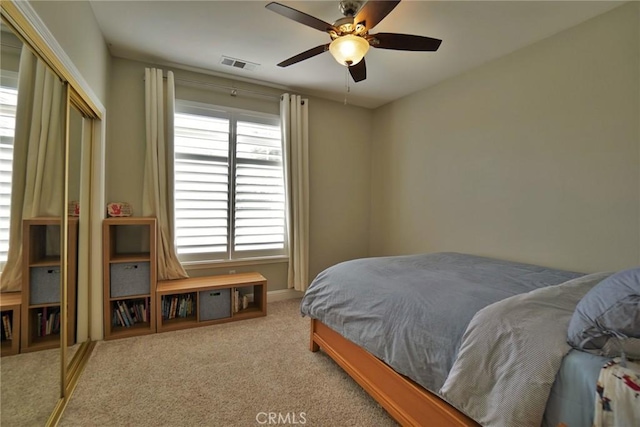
pixel 607 318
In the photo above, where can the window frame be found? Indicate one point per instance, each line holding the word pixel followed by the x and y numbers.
pixel 231 256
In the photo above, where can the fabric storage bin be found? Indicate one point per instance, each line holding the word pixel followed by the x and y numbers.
pixel 44 285
pixel 215 304
pixel 130 278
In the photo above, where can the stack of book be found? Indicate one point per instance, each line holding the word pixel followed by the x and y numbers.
pixel 48 321
pixel 240 301
pixel 128 313
pixel 178 306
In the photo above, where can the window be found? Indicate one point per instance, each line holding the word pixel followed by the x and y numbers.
pixel 229 184
pixel 8 102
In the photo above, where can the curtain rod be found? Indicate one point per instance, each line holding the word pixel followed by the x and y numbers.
pixel 233 90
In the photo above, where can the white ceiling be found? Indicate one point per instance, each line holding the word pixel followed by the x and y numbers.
pixel 196 34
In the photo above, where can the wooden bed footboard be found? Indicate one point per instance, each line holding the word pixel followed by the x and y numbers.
pixel 406 401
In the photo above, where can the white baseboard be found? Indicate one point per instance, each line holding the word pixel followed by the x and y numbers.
pixel 283 294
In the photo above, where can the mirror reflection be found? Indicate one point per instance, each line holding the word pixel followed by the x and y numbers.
pixel 32 114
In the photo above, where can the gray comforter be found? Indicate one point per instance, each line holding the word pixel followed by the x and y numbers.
pixel 412 311
pixel 511 353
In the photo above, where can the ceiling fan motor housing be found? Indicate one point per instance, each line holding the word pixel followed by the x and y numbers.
pixel 349 8
pixel 346 26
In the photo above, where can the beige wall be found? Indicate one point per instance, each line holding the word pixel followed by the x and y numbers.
pixel 75 28
pixel 532 157
pixel 339 162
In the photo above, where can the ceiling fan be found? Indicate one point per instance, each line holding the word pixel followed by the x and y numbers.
pixel 350 35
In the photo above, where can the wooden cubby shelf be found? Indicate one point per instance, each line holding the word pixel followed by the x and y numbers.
pixel 200 301
pixel 129 255
pixel 41 281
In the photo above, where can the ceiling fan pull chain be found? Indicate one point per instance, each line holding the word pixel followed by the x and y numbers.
pixel 346 84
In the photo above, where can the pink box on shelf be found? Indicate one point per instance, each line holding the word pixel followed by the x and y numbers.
pixel 119 209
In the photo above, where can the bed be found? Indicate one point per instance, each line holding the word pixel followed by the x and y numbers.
pixel 413 330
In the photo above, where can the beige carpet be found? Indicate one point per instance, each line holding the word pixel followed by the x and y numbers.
pixel 30 386
pixel 234 374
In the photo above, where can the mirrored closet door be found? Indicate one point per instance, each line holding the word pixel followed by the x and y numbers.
pixel 78 201
pixel 31 379
pixel 47 125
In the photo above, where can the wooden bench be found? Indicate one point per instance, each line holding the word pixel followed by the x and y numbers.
pixel 10 304
pixel 200 301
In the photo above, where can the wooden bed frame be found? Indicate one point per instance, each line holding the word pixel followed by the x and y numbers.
pixel 406 401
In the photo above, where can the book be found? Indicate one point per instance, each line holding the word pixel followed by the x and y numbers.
pixel 174 303
pixel 52 323
pixel 236 300
pixel 56 328
pixel 118 318
pixel 39 324
pixel 127 311
pixel 133 312
pixel 189 305
pixel 117 307
pixel 6 323
pixel 123 313
pixel 43 323
pixel 181 307
pixel 140 306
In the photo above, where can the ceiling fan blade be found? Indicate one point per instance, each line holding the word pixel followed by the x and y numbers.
pixel 404 42
pixel 373 12
pixel 300 17
pixel 358 71
pixel 304 55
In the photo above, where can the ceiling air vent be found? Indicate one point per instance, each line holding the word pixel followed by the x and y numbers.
pixel 239 63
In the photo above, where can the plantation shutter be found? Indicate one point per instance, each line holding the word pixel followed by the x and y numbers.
pixel 8 102
pixel 260 199
pixel 201 185
pixel 229 184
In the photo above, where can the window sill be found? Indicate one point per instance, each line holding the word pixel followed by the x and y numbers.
pixel 200 265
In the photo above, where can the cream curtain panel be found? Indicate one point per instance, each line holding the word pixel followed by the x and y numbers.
pixel 158 169
pixel 294 114
pixel 37 180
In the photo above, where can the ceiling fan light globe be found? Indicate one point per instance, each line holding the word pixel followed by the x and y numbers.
pixel 349 50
